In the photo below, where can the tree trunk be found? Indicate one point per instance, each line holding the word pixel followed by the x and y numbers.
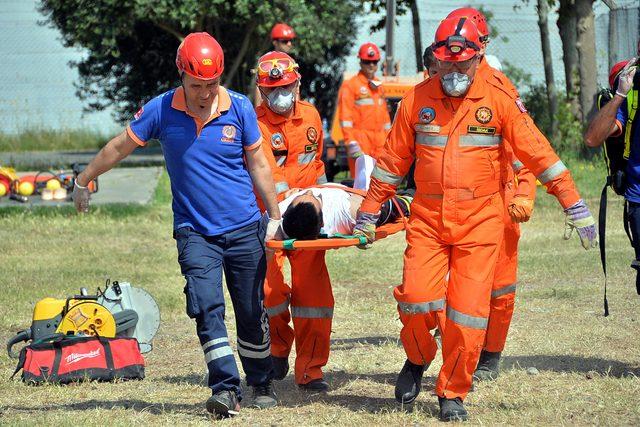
pixel 552 97
pixel 567 25
pixel 586 46
pixel 417 39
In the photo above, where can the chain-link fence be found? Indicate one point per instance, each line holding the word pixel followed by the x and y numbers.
pixel 518 36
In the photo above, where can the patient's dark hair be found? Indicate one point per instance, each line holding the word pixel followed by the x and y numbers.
pixel 302 221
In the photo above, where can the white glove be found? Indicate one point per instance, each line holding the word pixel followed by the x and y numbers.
pixel 80 197
pixel 274 230
pixel 625 81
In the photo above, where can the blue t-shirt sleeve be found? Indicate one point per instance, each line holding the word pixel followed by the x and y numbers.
pixel 146 122
pixel 250 132
pixel 621 116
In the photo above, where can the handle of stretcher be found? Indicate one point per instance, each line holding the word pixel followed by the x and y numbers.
pixel 335 242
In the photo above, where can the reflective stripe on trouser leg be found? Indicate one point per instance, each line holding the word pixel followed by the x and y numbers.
pixel 504 289
pixel 421 295
pixel 473 262
pixel 202 267
pixel 245 267
pixel 312 313
pixel 277 294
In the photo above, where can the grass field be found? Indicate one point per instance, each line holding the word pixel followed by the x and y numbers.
pixel 48 140
pixel 588 365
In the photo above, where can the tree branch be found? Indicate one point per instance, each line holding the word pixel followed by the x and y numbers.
pixel 169 30
pixel 611 4
pixel 241 53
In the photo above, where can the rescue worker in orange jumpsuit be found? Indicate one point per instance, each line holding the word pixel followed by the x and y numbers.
pixel 293 130
pixel 454 125
pixel 364 117
pixel 519 199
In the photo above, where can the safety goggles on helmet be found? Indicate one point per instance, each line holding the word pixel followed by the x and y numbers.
pixel 276 68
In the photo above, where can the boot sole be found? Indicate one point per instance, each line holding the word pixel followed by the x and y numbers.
pixel 455 418
pixel 218 408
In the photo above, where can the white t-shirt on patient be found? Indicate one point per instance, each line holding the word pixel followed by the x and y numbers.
pixel 336 213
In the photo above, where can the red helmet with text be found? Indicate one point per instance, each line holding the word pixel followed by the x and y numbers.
pixel 276 69
pixel 477 17
pixel 200 56
pixel 282 31
pixel 456 40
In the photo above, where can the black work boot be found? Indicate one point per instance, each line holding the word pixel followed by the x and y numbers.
pixel 264 396
pixel 315 386
pixel 488 366
pixel 409 382
pixel 452 409
pixel 280 367
pixel 224 404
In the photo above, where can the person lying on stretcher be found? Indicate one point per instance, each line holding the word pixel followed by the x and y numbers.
pixel 330 210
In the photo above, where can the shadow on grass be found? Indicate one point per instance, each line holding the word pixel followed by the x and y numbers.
pixel 128 404
pixel 558 363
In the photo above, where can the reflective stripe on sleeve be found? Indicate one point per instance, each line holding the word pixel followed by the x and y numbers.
pixel 431 140
pixel 466 320
pixel 386 176
pixel 306 158
pixel 322 179
pixel 480 140
pixel 312 312
pixel 280 160
pixel 213 342
pixel 511 289
pixel 217 353
pixel 365 101
pixel 552 172
pixel 281 187
pixel 517 165
pixel 421 307
pixel 346 124
pixel 387 126
pixel 278 309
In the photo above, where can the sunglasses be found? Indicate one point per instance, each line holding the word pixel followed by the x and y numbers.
pixel 368 62
pixel 461 65
pixel 283 41
pixel 284 65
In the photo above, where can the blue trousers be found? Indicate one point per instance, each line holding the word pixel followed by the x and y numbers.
pixel 240 253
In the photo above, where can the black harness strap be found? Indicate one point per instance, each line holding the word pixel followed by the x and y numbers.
pixel 602 225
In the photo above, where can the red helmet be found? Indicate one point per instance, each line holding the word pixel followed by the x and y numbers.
pixel 200 56
pixel 369 52
pixel 456 40
pixel 282 32
pixel 615 70
pixel 476 16
pixel 276 69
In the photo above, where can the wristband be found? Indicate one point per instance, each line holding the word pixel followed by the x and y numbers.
pixel 619 94
pixel 75 182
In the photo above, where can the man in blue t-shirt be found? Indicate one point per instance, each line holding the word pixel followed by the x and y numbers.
pixel 211 145
pixel 619 118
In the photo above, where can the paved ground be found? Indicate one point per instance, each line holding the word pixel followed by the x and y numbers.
pixel 121 185
pixel 45 160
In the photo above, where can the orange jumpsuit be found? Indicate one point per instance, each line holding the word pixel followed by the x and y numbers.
pixel 296 144
pixel 504 286
pixel 457 217
pixel 364 116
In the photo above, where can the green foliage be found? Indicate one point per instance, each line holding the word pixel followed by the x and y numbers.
pixel 131 45
pixel 45 140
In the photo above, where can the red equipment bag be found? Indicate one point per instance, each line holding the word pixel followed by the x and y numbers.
pixel 80 359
